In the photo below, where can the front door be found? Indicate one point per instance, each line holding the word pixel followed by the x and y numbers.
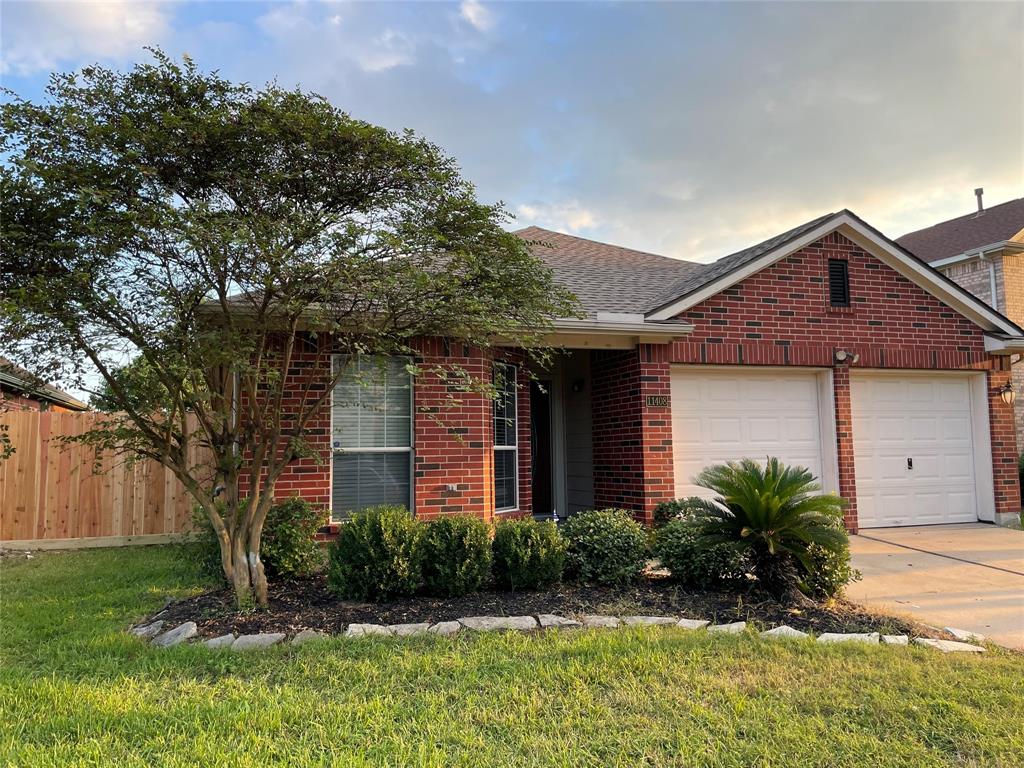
pixel 540 437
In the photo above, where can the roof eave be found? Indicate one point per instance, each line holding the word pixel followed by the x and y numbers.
pixel 49 394
pixel 977 253
pixel 996 344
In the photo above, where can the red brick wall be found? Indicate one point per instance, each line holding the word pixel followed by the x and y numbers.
pixel 12 402
pixel 523 437
pixel 781 316
pixel 453 433
pixel 309 477
pixel 632 440
pixel 1003 428
pixel 844 442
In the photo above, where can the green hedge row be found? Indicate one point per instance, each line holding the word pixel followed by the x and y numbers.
pixel 384 552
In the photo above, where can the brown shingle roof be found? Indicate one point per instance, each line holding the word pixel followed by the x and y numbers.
pixel 606 278
pixel 964 233
pixel 609 278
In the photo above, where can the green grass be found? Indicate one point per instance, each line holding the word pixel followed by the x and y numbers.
pixel 75 690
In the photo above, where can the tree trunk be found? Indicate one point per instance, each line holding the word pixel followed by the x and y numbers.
pixel 240 577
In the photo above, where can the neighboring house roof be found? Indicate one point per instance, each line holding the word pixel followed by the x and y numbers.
pixel 966 233
pixel 606 278
pixel 19 381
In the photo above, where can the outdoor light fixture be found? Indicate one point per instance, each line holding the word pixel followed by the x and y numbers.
pixel 842 356
pixel 1008 393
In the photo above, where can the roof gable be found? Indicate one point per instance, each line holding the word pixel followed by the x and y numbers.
pixel 753 260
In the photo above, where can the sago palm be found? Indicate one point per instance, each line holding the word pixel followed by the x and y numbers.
pixel 776 512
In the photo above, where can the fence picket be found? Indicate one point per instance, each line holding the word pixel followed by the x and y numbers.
pixel 50 491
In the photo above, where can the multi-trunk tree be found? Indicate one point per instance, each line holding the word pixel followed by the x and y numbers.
pixel 180 242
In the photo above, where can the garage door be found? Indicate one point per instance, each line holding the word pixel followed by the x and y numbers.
pixel 913 448
pixel 722 415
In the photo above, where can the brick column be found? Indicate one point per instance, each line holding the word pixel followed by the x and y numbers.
pixel 1001 424
pixel 844 444
pixel 656 427
pixel 632 440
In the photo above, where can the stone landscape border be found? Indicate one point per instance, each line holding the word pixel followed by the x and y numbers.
pixel 188 631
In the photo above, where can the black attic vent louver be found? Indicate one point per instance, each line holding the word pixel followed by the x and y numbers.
pixel 838 283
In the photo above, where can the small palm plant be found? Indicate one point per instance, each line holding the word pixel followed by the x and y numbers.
pixel 776 513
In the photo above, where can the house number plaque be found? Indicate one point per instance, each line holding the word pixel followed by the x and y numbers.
pixel 657 401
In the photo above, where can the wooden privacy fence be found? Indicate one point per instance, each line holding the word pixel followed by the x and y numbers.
pixel 52 495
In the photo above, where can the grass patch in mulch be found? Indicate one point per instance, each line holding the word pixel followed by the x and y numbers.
pixel 306 603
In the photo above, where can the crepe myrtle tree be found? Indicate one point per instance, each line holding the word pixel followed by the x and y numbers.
pixel 228 241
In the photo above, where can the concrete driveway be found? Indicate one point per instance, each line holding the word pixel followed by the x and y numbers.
pixel 969 576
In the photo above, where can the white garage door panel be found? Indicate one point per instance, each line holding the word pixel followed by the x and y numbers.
pixel 927 419
pixel 725 414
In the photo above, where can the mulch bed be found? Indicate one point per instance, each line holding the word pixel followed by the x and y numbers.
pixel 307 604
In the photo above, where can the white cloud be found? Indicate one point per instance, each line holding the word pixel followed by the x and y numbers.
pixel 477 15
pixel 305 27
pixel 569 216
pixel 41 36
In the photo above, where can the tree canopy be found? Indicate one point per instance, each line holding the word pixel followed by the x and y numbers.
pixel 201 231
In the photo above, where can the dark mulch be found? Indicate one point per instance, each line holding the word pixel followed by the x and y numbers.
pixel 306 603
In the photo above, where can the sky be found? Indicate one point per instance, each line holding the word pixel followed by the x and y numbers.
pixel 686 129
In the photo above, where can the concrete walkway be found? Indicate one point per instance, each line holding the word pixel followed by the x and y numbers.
pixel 969 576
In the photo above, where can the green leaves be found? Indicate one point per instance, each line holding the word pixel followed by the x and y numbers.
pixel 776 513
pixel 208 234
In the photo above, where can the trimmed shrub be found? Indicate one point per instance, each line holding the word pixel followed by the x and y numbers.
pixel 831 571
pixel 527 554
pixel 675 509
pixel 604 546
pixel 455 555
pixel 376 555
pixel 693 561
pixel 287 547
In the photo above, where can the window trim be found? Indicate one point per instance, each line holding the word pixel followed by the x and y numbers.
pixel 846 283
pixel 515 436
pixel 339 517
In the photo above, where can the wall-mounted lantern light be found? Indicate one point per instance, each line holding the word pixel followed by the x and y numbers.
pixel 842 356
pixel 1008 393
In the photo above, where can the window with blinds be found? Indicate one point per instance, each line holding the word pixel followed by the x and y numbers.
pixel 838 283
pixel 371 434
pixel 506 449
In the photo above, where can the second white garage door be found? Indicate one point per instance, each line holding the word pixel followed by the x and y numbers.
pixel 725 414
pixel 913 443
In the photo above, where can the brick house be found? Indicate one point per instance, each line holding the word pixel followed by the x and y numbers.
pixel 19 391
pixel 984 252
pixel 828 345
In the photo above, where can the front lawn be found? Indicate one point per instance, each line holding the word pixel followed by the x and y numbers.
pixel 75 690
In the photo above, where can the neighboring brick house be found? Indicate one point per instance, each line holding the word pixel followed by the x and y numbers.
pixel 829 346
pixel 984 252
pixel 20 392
